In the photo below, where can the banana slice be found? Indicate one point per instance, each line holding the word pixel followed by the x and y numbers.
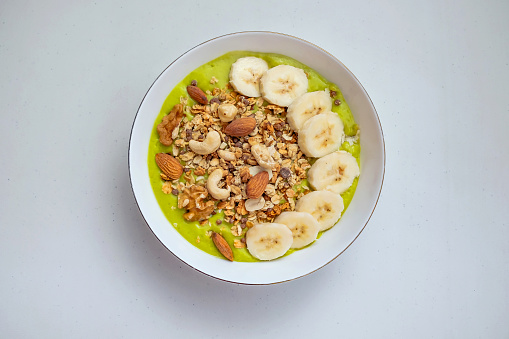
pixel 321 135
pixel 268 241
pixel 324 206
pixel 303 226
pixel 245 75
pixel 282 84
pixel 334 172
pixel 307 106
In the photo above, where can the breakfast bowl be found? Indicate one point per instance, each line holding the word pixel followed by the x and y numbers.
pixel 336 239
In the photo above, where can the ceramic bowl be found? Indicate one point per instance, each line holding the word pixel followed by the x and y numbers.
pixel 333 242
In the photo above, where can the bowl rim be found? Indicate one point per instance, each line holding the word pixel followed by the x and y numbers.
pixel 262 32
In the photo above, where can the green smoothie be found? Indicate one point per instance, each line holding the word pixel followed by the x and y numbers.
pixel 219 68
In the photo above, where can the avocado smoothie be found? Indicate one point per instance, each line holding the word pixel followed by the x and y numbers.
pixel 213 78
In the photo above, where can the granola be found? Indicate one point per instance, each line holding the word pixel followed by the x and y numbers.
pixel 272 145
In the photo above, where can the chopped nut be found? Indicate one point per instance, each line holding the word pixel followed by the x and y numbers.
pixel 222 205
pixel 167 187
pixel 245 175
pixel 193 199
pixel 214 162
pixel 187 156
pixel 241 209
pixel 226 155
pixel 235 189
pixel 169 123
pixel 199 171
pixel 237 243
pixel 236 230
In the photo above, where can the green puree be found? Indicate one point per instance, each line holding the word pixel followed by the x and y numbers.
pixel 220 69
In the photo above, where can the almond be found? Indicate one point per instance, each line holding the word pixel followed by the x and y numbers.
pixel 240 127
pixel 222 246
pixel 257 184
pixel 197 95
pixel 170 166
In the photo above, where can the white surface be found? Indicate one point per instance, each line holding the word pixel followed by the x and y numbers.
pixel 77 259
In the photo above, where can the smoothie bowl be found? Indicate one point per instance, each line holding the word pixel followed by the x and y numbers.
pixel 256 158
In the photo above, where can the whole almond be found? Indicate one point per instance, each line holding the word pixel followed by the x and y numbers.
pixel 240 127
pixel 197 95
pixel 257 184
pixel 170 166
pixel 222 246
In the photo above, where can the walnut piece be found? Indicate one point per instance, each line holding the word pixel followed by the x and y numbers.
pixel 193 200
pixel 169 123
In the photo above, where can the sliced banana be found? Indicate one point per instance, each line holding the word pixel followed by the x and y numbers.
pixel 303 226
pixel 282 84
pixel 321 135
pixel 245 75
pixel 268 241
pixel 334 172
pixel 307 106
pixel 324 206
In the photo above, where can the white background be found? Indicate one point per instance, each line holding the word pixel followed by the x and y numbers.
pixel 78 261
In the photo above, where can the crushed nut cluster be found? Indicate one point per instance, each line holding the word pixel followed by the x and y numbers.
pixel 234 158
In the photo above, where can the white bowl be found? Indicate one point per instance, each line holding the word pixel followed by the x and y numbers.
pixel 334 241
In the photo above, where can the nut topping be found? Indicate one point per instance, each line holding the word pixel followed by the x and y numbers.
pixel 222 246
pixel 257 184
pixel 169 123
pixel 240 127
pixel 197 95
pixel 170 166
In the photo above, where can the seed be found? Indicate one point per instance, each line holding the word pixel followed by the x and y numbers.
pixel 215 100
pixel 285 172
pixel 243 220
pixel 245 102
pixel 337 102
pixel 332 94
pixel 201 137
pixel 279 134
pixel 194 83
pixel 174 192
pixel 219 221
pixel 242 226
